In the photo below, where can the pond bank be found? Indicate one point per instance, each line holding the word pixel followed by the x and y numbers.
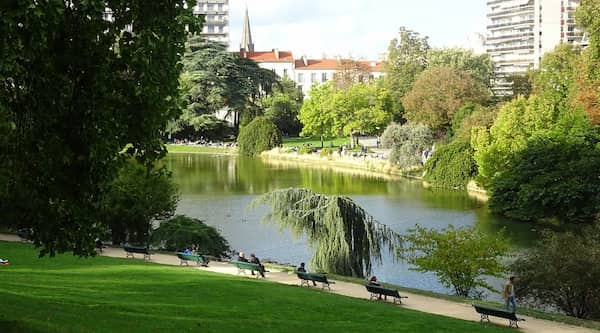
pixel 362 165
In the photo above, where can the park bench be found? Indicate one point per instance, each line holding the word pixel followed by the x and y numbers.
pixel 242 266
pixel 378 291
pixel 130 250
pixel 485 312
pixel 305 278
pixel 198 258
pixel 25 234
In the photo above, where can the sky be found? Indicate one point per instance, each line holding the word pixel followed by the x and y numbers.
pixel 355 28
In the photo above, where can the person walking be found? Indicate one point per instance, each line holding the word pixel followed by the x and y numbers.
pixel 508 293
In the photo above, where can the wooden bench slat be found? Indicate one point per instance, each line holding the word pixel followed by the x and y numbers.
pixel 305 277
pixel 198 258
pixel 378 291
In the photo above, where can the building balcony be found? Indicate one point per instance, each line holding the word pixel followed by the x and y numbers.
pixel 508 24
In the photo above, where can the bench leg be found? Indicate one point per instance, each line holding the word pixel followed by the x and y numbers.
pixel 398 299
pixel 129 254
pixel 484 317
pixel 513 323
pixel 147 256
pixel 304 282
pixel 325 285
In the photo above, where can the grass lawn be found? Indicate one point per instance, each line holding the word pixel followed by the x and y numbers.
pixel 315 141
pixel 69 294
pixel 200 149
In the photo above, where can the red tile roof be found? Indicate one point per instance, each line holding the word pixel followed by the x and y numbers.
pixel 333 64
pixel 268 56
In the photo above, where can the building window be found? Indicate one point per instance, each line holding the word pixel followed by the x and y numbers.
pixel 300 77
pixel 313 77
pixel 324 77
pixel 211 29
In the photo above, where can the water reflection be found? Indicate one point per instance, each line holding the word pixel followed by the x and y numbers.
pixel 218 189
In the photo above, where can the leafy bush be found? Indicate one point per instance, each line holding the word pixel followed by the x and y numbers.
pixel 326 152
pixel 563 271
pixel 460 258
pixel 137 197
pixel 451 165
pixel 259 135
pixel 182 231
pixel 305 149
pixel 407 143
pixel 554 178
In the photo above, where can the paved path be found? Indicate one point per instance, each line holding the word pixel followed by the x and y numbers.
pixel 414 302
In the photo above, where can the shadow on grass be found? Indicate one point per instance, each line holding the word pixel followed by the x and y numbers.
pixel 15 326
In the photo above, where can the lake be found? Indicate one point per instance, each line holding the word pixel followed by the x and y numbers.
pixel 218 189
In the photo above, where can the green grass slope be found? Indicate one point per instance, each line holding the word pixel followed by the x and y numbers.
pixel 70 294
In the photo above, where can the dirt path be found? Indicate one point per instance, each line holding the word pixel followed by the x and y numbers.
pixel 415 302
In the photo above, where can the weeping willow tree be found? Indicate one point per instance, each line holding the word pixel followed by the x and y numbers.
pixel 345 237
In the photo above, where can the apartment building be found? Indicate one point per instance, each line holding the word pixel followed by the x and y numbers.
pixel 519 32
pixel 216 25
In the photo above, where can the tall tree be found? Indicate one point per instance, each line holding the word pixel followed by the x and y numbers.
pixel 479 66
pixel 407 58
pixel 316 113
pixel 283 106
pixel 217 79
pixel 81 94
pixel 345 237
pixel 438 93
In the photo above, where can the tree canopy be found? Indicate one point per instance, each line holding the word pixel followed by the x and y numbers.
pixel 480 67
pixel 216 79
pixel 438 93
pixel 345 237
pixel 407 58
pixel 81 94
pixel 258 136
pixel 283 107
pixel 459 257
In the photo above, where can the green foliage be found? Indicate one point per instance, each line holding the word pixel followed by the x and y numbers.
pixel 562 271
pixel 451 165
pixel 517 121
pixel 345 237
pixel 283 107
pixel 137 197
pixel 326 152
pixel 555 178
pixel 315 114
pixel 181 231
pixel 259 135
pixel 460 258
pixel 588 16
pixel 407 142
pixel 217 79
pixel 473 118
pixel 479 66
pixel 521 84
pixel 555 79
pixel 438 93
pixel 78 90
pixel 407 58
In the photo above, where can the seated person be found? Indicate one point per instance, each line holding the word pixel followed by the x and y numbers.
pixel 99 245
pixel 242 257
pixel 187 251
pixel 373 282
pixel 302 269
pixel 261 269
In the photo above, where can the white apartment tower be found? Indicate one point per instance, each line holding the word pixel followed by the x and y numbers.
pixel 519 32
pixel 216 24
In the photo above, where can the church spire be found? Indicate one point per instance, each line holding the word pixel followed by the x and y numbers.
pixel 246 44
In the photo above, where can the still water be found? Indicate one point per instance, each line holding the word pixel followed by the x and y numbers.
pixel 218 189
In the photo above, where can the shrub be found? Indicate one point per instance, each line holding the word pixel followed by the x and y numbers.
pixel 305 149
pixel 407 143
pixel 562 271
pixel 259 135
pixel 135 198
pixel 451 165
pixel 326 152
pixel 460 258
pixel 182 231
pixel 553 179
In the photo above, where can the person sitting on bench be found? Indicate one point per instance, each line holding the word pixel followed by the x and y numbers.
pixel 242 257
pixel 261 269
pixel 373 282
pixel 302 269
